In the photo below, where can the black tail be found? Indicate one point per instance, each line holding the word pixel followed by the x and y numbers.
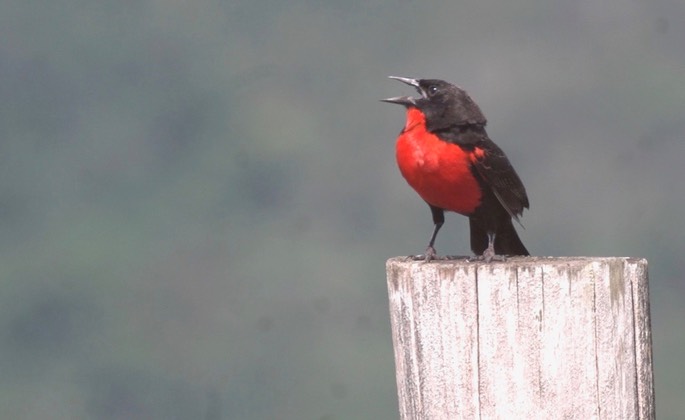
pixel 507 241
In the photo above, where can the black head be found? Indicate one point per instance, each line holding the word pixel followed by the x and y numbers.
pixel 443 103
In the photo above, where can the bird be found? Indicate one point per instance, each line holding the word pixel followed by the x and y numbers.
pixel 444 153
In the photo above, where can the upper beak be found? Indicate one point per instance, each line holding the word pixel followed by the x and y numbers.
pixel 410 82
pixel 403 100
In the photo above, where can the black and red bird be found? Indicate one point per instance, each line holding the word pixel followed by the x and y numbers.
pixel 445 154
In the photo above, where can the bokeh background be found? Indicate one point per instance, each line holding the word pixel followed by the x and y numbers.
pixel 197 198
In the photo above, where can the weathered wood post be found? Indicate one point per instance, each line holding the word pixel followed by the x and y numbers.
pixel 529 338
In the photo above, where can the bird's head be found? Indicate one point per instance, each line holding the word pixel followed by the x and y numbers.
pixel 443 103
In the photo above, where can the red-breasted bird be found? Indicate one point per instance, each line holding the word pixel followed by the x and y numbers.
pixel 447 157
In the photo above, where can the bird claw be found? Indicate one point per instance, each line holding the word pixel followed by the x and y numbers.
pixel 430 255
pixel 488 256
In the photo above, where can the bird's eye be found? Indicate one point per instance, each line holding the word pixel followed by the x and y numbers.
pixel 432 90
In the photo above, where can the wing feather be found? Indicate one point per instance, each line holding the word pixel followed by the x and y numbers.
pixel 495 169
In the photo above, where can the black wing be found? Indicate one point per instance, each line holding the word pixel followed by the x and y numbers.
pixel 494 167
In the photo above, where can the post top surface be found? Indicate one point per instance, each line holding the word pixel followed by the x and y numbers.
pixel 464 261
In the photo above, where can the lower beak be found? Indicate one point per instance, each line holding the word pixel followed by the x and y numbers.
pixel 401 100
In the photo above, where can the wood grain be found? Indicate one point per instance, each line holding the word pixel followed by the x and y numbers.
pixel 529 338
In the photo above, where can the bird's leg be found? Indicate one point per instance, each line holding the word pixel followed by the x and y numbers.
pixel 430 249
pixel 438 221
pixel 489 253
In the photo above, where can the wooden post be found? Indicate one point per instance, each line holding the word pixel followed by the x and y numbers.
pixel 529 338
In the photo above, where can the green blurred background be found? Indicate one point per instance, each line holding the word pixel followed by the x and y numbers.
pixel 197 198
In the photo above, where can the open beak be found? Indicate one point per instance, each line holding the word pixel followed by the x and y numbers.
pixel 404 100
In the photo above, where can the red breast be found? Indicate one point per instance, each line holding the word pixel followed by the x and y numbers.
pixel 439 171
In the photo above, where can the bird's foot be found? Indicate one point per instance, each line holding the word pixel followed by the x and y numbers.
pixel 488 256
pixel 428 256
